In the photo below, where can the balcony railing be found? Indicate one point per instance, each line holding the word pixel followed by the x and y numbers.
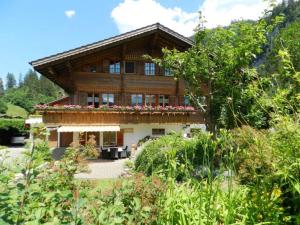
pixel 74 115
pixel 139 68
pixel 115 108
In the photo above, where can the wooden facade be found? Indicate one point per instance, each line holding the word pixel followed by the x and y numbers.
pixel 80 117
pixel 118 67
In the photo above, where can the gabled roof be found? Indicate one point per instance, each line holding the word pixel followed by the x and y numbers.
pixel 111 41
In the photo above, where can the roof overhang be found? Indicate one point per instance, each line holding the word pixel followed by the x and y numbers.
pixel 86 49
pixel 89 128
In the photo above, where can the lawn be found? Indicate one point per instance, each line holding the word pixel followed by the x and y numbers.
pixel 16 111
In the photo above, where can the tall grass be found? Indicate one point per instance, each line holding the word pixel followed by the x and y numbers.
pixel 243 176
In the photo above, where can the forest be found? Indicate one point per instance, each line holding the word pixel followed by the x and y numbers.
pixel 245 170
pixel 18 99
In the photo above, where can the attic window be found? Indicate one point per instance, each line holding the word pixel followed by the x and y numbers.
pixel 149 68
pixel 93 69
pixel 114 67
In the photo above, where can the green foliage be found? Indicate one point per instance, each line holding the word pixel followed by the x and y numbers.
pixel 3 107
pixel 32 90
pixel 16 111
pixel 10 81
pixel 11 127
pixel 220 59
pixel 16 124
pixel 130 202
pixel 1 88
pixel 287 38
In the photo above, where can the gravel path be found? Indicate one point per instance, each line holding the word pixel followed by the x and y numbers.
pixel 98 169
pixel 13 153
pixel 103 169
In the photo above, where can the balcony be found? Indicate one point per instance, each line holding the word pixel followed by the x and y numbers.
pixel 75 114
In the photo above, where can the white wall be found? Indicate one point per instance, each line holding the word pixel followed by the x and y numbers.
pixel 142 130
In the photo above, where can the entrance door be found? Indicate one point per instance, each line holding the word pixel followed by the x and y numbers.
pixel 66 139
pixel 120 138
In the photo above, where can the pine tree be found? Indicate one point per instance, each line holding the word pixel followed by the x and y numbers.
pixel 10 81
pixel 20 81
pixel 1 87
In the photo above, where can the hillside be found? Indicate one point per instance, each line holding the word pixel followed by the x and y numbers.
pixel 16 111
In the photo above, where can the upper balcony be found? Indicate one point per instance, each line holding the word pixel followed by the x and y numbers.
pixel 117 77
pixel 75 114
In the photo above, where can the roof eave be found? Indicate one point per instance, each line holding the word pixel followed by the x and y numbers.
pixel 110 41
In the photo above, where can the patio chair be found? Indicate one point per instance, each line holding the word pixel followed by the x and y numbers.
pixel 123 154
pixel 114 153
pixel 104 153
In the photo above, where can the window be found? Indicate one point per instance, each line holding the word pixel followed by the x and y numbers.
pixel 108 99
pixel 93 69
pixel 163 100
pixel 90 99
pixel 158 132
pixel 168 72
pixel 114 67
pixel 150 100
pixel 96 100
pixel 129 67
pixel 149 68
pixel 136 100
pixel 93 99
pixel 186 101
pixel 166 101
pixel 109 138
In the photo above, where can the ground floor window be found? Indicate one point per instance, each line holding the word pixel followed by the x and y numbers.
pixel 109 139
pixel 86 137
pixel 157 132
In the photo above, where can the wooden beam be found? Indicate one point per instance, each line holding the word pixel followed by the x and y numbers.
pixel 51 71
pixel 153 43
pixel 70 67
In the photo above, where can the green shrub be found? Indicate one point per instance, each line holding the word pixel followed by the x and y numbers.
pixel 10 128
pixel 3 107
pixel 270 160
pixel 16 124
pixel 174 156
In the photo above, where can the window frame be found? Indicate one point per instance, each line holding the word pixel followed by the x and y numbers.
pixel 152 101
pixel 164 98
pixel 107 97
pixel 149 69
pixel 158 133
pixel 186 101
pixel 136 99
pixel 103 137
pixel 168 72
pixel 114 67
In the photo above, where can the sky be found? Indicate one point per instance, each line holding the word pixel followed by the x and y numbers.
pixel 33 29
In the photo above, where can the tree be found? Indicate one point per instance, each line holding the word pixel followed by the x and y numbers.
pixel 287 38
pixel 20 80
pixel 3 107
pixel 220 59
pixel 1 87
pixel 10 81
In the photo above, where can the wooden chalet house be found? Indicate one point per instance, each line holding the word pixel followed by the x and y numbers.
pixel 116 94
